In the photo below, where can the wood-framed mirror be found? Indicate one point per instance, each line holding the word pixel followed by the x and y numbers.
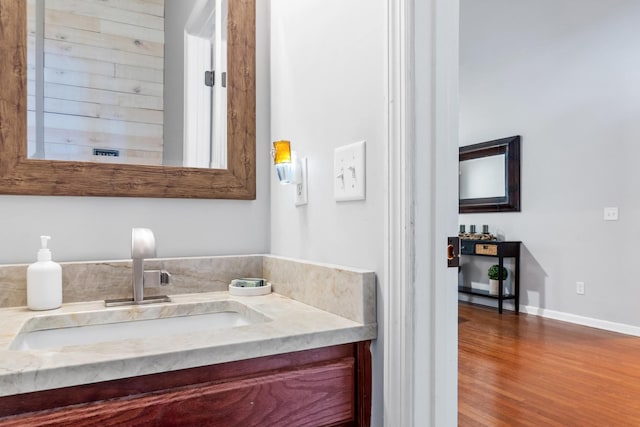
pixel 22 176
pixel 489 179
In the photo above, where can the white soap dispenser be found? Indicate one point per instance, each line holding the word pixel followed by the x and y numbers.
pixel 44 281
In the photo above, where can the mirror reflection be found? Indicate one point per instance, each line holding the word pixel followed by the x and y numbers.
pixel 483 177
pixel 134 82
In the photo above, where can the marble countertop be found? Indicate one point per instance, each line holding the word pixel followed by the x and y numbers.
pixel 289 326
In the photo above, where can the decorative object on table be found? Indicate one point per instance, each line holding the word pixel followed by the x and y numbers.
pixel 476 236
pixel 473 235
pixel 494 278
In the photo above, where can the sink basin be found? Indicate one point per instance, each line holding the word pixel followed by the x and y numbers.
pixel 68 329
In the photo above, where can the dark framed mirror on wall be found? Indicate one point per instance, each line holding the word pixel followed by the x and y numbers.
pixel 489 176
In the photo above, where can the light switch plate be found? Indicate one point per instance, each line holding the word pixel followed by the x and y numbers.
pixel 349 173
pixel 301 183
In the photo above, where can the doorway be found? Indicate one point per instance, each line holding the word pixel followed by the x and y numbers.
pixel 560 75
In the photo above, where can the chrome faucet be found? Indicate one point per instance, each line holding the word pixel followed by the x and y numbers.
pixel 143 245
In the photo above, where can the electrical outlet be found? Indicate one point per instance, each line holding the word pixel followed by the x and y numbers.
pixel 580 288
pixel 611 214
pixel 301 183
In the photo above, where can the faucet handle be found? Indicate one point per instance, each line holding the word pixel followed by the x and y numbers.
pixel 156 278
pixel 143 243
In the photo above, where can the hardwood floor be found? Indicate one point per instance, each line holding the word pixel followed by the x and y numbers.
pixel 530 371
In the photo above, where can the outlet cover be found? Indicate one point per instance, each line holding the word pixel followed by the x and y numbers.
pixel 301 183
pixel 349 174
pixel 611 214
pixel 580 288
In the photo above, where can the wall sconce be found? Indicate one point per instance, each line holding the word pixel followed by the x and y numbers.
pixel 291 169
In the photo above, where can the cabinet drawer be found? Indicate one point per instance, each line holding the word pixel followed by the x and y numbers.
pixel 318 395
pixel 486 249
pixel 467 247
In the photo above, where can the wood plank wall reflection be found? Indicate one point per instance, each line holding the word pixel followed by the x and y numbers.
pixel 103 80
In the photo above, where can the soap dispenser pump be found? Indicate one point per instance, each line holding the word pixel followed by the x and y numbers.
pixel 44 281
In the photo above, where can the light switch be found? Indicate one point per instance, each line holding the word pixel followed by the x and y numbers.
pixel 349 172
pixel 611 214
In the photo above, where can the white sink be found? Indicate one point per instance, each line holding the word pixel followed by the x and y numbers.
pixel 69 329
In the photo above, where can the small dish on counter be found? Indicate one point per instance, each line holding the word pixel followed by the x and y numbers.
pixel 249 287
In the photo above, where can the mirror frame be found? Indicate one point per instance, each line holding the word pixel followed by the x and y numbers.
pixel 22 176
pixel 510 147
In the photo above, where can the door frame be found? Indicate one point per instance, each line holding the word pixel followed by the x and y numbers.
pixel 420 314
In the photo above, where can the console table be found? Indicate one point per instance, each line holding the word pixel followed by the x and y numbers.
pixel 500 250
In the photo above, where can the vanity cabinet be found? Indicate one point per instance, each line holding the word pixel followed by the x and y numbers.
pixel 500 250
pixel 329 386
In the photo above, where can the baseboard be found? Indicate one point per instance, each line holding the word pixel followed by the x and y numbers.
pixel 621 328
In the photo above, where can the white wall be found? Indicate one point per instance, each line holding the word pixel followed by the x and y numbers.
pixel 563 74
pixel 328 89
pixel 85 228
